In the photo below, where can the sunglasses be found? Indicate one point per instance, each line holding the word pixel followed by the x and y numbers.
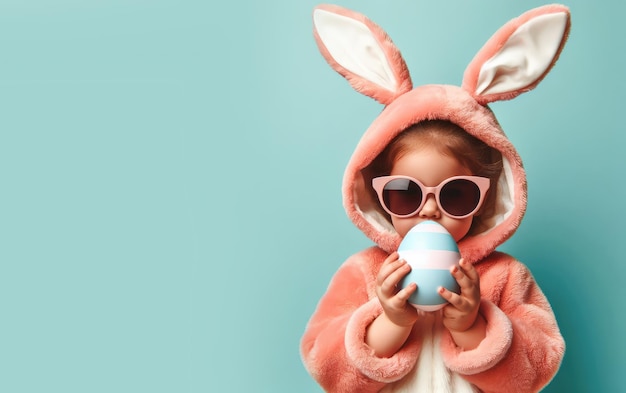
pixel 457 197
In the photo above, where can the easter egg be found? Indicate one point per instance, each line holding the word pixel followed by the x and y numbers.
pixel 431 251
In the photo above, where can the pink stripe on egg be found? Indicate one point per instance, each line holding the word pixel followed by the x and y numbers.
pixel 430 259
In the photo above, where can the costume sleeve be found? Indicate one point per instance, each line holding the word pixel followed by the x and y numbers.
pixel 523 347
pixel 333 346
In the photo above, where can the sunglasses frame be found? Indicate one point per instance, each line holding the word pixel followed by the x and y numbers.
pixel 379 183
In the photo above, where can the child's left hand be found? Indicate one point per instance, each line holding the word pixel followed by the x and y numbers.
pixel 460 315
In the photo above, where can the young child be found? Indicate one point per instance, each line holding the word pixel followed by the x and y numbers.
pixel 499 333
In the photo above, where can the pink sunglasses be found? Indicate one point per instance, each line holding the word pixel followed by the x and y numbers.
pixel 457 197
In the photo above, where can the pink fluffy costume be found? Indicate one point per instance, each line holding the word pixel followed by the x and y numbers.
pixel 523 347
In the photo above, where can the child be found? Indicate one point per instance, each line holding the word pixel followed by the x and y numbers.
pixel 499 334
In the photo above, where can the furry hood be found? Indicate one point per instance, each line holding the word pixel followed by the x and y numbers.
pixel 514 60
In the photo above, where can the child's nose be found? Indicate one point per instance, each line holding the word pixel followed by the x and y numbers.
pixel 430 208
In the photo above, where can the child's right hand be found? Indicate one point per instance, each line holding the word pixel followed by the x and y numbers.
pixel 395 303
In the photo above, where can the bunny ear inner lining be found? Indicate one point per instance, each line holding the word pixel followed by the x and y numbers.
pixel 353 46
pixel 525 57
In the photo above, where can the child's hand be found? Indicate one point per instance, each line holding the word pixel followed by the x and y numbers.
pixel 462 312
pixel 394 302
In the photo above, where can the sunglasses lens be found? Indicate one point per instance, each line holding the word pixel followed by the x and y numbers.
pixel 459 197
pixel 402 196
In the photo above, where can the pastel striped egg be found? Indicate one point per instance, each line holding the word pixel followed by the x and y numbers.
pixel 431 251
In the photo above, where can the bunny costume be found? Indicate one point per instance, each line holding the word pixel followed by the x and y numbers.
pixel 523 347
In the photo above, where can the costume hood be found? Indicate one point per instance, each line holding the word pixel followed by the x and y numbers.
pixel 513 61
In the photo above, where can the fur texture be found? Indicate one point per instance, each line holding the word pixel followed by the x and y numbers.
pixel 393 57
pixel 523 347
pixel 521 352
pixel 425 103
pixel 495 44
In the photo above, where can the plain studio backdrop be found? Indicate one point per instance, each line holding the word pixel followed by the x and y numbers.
pixel 170 208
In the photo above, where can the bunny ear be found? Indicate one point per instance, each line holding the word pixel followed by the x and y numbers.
pixel 361 52
pixel 519 55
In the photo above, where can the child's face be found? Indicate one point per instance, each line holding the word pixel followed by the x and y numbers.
pixel 430 167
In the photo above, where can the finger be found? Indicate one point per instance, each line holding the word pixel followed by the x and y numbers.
pixel 388 269
pixel 390 283
pixel 461 278
pixel 401 271
pixel 400 301
pixel 469 290
pixel 469 270
pixel 391 258
pixel 404 294
pixel 394 256
pixel 468 279
pixel 452 298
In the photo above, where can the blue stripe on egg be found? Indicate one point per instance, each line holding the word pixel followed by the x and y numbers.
pixel 430 280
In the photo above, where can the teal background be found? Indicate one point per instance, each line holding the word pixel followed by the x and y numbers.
pixel 170 208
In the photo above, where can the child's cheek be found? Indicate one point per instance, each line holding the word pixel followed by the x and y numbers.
pixel 403 225
pixel 458 228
